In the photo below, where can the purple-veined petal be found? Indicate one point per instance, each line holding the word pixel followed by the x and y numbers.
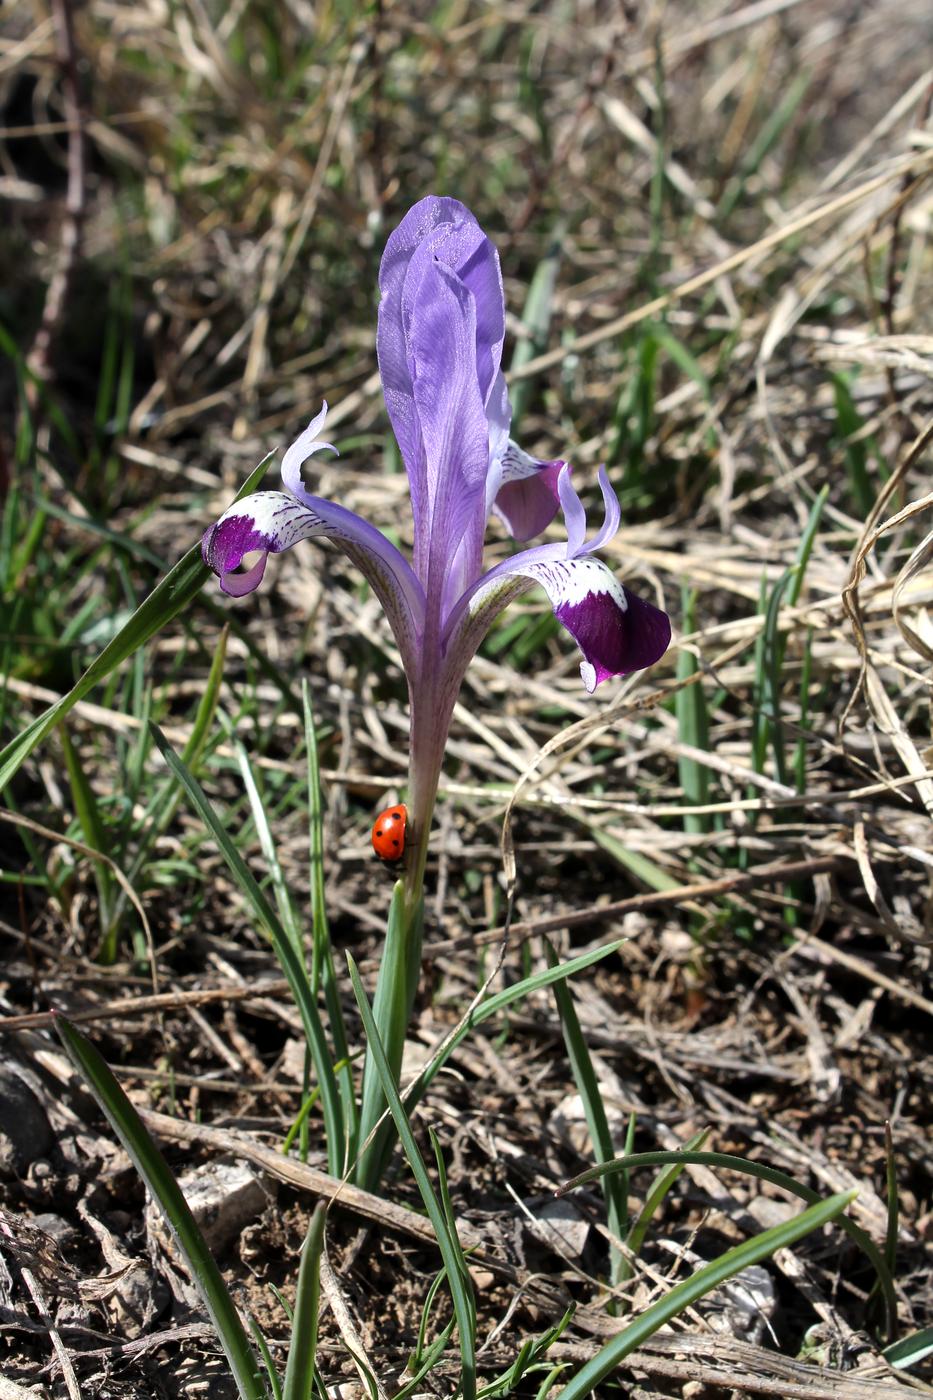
pixel 616 631
pixel 527 497
pixel 269 521
pixel 438 233
pixel 452 417
pixel 272 521
pixel 385 567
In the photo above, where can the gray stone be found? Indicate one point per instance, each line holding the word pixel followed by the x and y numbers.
pixel 25 1132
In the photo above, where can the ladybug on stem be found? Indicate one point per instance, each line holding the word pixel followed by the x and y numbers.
pixel 389 833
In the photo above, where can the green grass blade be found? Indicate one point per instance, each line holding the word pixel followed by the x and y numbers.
pixel 322 962
pixel 550 1380
pixel 275 1385
pixel 855 448
pixel 692 727
pixel 180 587
pixel 727 1162
pixel 684 1294
pixel 155 1172
pixel 292 966
pixel 207 705
pixel 685 362
pixel 773 676
pixel 615 1188
pixel 769 680
pixel 93 834
pixel 299 1369
pixel 426 1355
pixel 635 862
pixel 910 1351
pixel 164 804
pixel 284 903
pixel 536 319
pixel 494 1004
pixel 449 1244
pixel 395 993
pixel 660 1188
pixel 892 1196
pixel 770 132
pixel 805 548
pixel 800 748
pixel 450 1217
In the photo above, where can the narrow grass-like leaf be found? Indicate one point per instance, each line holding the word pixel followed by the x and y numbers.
pixel 688 364
pixel 164 804
pixel 892 1196
pixel 550 1380
pixel 421 1347
pixel 727 1162
pixel 530 1358
pixel 615 1189
pixel 322 962
pixel 910 1351
pixel 272 1375
pixel 448 1243
pixel 659 1190
pixel 284 903
pixel 207 705
pixel 299 1369
pixel 893 1200
pixel 155 1172
pixel 93 834
pixel 291 964
pixel 494 1004
pixel 450 1217
pixel 425 1356
pixel 770 713
pixel 635 862
pixel 536 319
pixel 395 994
pixel 180 587
pixel 692 728
pixel 771 646
pixel 690 1290
pixel 805 547
pixel 855 448
pixel 800 749
pixel 769 133
pixel 428 1358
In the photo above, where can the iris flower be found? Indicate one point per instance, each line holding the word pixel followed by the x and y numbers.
pixel 440 336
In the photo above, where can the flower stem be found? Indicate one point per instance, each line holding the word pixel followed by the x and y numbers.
pixel 431 706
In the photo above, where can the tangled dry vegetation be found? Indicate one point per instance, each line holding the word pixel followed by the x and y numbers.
pixel 724 214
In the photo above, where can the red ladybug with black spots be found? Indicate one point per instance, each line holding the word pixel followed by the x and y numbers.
pixel 389 833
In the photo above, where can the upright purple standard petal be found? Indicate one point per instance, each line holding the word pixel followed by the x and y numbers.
pixel 454 429
pixel 438 235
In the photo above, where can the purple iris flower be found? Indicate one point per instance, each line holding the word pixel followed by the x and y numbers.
pixel 440 337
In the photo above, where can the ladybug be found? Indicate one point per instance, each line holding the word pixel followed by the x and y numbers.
pixel 389 833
